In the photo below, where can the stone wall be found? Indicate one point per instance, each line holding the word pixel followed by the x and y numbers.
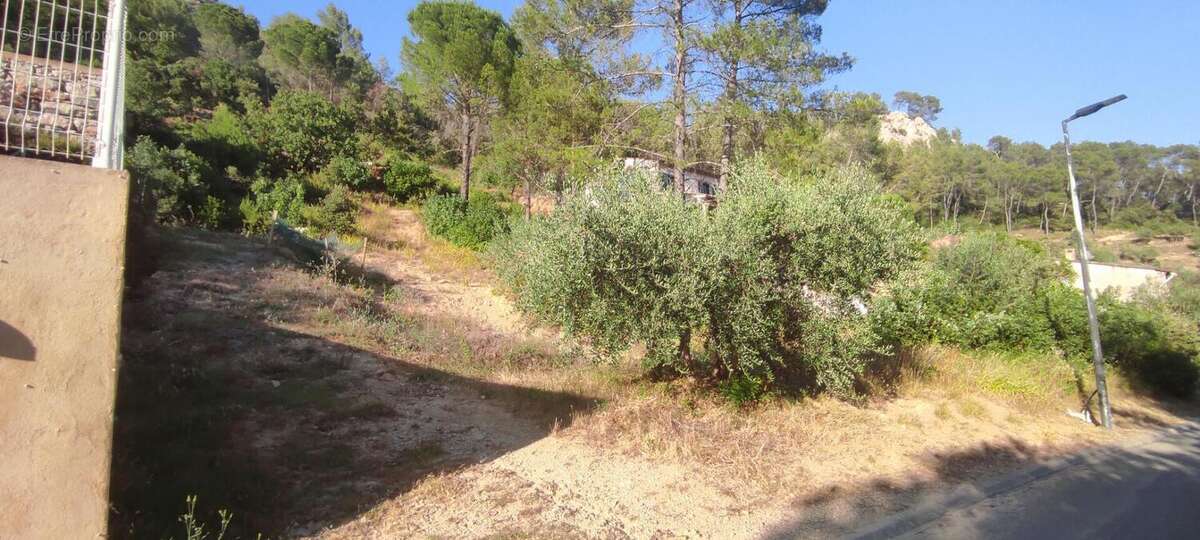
pixel 51 97
pixel 62 248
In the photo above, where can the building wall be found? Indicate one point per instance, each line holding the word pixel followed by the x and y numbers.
pixel 1121 280
pixel 62 244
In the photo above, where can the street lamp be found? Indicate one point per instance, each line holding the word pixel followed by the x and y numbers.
pixel 1082 253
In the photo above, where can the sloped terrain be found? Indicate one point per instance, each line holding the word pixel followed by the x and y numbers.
pixel 411 401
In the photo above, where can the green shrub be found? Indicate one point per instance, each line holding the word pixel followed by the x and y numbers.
pixel 1183 296
pixel 1141 253
pixel 408 180
pixel 334 214
pixel 1149 222
pixel 770 281
pixel 988 291
pixel 172 185
pixel 346 171
pixel 1157 349
pixel 471 225
pixel 212 214
pixel 224 141
pixel 788 263
pixel 303 131
pixel 270 199
pixel 1102 254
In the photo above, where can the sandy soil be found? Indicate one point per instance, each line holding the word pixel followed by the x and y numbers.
pixel 342 425
pixel 849 464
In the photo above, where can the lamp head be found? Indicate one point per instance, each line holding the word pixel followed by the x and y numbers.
pixel 1091 109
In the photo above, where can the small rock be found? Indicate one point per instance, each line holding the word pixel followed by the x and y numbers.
pixel 275 384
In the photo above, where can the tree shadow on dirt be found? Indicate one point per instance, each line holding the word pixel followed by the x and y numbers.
pixel 291 432
pixel 885 507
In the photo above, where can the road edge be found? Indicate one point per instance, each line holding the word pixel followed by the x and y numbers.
pixel 966 495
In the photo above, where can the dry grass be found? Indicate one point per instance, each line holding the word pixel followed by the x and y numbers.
pixel 945 415
pixel 1174 253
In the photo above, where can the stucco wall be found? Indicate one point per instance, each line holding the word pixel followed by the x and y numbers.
pixel 62 242
pixel 1120 279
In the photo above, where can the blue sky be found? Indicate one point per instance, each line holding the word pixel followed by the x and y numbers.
pixel 1006 67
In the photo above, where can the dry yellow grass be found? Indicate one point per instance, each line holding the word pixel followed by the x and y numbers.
pixel 524 423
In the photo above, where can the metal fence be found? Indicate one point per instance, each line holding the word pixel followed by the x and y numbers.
pixel 62 78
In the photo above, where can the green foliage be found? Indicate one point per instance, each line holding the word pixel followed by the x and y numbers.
pixel 408 180
pixel 461 50
pixel 1141 253
pixel 1183 296
pixel 228 33
pixel 1159 350
pixel 168 32
pixel 300 53
pixel 770 279
pixel 742 389
pixel 303 131
pixel 346 171
pixel 212 214
pixel 268 200
pixel 173 185
pixel 396 121
pixel 1102 254
pixel 554 106
pixel 791 262
pixel 472 225
pixel 334 214
pixel 225 141
pixel 993 292
pixel 988 291
pixel 460 64
pixel 917 105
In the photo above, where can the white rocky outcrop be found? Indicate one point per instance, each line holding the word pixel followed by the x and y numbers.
pixel 898 127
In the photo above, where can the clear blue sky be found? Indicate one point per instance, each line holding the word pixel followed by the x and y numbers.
pixel 1010 67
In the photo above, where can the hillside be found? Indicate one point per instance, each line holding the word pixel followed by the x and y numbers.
pixel 414 402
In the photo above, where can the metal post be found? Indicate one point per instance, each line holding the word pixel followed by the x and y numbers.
pixel 108 155
pixel 1093 323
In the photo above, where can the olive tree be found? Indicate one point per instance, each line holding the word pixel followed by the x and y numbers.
pixel 771 284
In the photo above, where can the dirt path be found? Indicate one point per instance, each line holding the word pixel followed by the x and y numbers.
pixel 439 296
pixel 315 410
pixel 553 484
pixel 560 485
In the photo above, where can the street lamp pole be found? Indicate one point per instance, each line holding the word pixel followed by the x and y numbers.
pixel 1082 254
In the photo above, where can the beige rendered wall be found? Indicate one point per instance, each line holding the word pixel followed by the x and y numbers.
pixel 1120 279
pixel 62 245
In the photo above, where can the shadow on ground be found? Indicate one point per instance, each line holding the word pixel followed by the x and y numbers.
pixel 292 432
pixel 1107 487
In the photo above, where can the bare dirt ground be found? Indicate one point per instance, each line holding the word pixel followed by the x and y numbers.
pixel 421 405
pixel 1176 254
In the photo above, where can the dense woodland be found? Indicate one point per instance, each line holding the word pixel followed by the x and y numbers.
pixel 296 116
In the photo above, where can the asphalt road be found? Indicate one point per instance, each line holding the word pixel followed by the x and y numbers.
pixel 1145 492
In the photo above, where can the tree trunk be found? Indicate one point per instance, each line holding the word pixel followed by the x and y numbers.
pixel 729 131
pixel 679 94
pixel 464 191
pixel 1094 215
pixel 1008 212
pixel 528 197
pixel 983 214
pixel 685 351
pixel 1161 181
pixel 1192 198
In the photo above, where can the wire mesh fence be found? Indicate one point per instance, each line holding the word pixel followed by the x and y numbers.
pixel 58 99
